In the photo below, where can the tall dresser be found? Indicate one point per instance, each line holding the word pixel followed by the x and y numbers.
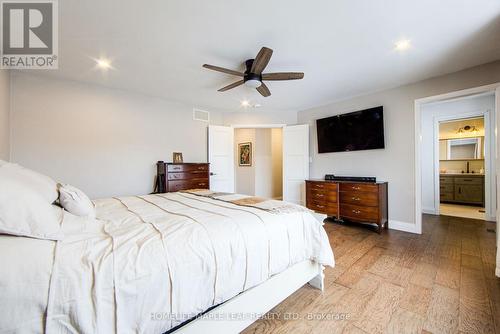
pixel 352 201
pixel 182 176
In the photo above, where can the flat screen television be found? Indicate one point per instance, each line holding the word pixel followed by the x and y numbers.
pixel 355 131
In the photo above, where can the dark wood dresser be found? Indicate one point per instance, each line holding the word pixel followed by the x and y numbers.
pixel 352 201
pixel 183 176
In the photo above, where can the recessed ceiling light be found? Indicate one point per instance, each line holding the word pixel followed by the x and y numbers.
pixel 103 64
pixel 245 103
pixel 402 45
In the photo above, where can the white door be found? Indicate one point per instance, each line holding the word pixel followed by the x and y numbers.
pixel 221 158
pixel 295 162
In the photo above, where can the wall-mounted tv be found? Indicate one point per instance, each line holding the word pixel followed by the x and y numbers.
pixel 355 131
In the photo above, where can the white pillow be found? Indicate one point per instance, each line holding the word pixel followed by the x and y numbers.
pixel 41 184
pixel 25 204
pixel 75 201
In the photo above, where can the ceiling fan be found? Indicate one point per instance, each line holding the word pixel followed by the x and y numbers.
pixel 253 76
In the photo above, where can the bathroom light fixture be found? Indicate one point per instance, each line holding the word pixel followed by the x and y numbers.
pixel 467 129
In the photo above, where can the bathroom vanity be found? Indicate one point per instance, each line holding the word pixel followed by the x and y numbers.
pixel 462 188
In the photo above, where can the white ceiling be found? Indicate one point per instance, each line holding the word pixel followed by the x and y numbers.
pixel 345 48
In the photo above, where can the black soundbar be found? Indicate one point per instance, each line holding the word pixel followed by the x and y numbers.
pixel 331 177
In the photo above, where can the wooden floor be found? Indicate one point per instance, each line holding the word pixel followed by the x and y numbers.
pixel 439 282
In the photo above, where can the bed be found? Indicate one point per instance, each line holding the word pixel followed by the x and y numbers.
pixel 153 263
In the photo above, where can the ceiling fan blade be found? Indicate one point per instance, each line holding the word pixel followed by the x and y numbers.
pixel 223 70
pixel 263 90
pixel 283 76
pixel 231 86
pixel 260 62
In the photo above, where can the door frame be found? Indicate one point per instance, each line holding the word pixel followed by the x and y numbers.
pixel 495 88
pixel 255 126
pixel 489 161
pixel 268 126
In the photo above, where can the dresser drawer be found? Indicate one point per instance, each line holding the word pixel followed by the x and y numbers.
pixel 330 210
pixel 359 198
pixel 357 212
pixel 364 187
pixel 177 185
pixel 321 186
pixel 322 195
pixel 188 175
pixel 469 180
pixel 187 167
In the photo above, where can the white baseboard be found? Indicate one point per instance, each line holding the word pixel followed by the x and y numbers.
pixel 490 218
pixel 430 211
pixel 403 226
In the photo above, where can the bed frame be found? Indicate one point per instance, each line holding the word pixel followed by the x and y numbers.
pixel 256 301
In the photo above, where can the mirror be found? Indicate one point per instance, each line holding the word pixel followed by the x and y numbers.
pixel 461 148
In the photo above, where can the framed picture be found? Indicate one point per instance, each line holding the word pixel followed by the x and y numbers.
pixel 245 154
pixel 177 158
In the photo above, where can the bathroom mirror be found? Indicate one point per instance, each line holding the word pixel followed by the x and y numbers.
pixel 461 148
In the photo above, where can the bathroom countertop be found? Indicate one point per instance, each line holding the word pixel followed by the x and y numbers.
pixel 466 174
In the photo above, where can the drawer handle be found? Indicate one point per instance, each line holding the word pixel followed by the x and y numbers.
pixel 356 212
pixel 319 195
pixel 197 172
pixel 176 168
pixel 356 188
pixel 356 199
pixel 201 168
pixel 319 185
pixel 202 184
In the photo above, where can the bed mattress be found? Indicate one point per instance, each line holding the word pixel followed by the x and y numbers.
pixel 149 263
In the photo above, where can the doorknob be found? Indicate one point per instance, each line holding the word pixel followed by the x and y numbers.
pixel 211 174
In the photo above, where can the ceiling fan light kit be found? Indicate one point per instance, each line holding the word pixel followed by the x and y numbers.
pixel 253 76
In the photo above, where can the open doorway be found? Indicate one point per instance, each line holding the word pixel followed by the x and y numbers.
pixel 462 168
pixel 259 162
pixel 458 136
pixel 424 157
pixel 222 150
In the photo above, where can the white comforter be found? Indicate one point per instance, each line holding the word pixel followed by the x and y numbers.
pixel 148 263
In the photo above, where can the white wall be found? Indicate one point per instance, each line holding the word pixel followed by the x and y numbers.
pixel 101 140
pixel 4 114
pixel 395 163
pixel 429 114
pixel 263 163
pixel 252 116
